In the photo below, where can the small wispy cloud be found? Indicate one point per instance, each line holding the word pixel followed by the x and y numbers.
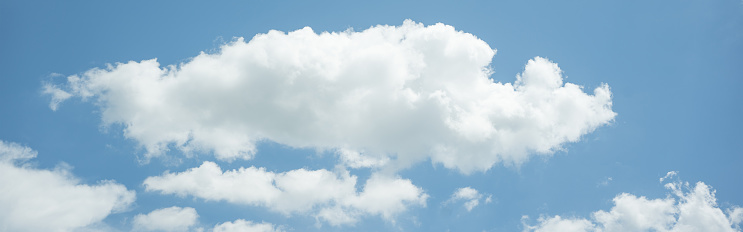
pixel 605 182
pixel 668 175
pixel 470 196
pixel 58 95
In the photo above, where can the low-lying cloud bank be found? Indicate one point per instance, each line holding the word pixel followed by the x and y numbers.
pixel 687 208
pixel 329 196
pixel 166 219
pixel 407 93
pixel 177 219
pixel 34 199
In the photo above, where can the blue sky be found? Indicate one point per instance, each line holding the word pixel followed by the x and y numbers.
pixel 673 70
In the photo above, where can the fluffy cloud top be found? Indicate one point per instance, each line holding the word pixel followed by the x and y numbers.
pixel 51 200
pixel 241 225
pixel 408 92
pixel 470 196
pixel 166 219
pixel 688 209
pixel 297 191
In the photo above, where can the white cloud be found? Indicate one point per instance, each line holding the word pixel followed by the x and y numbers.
pixel 559 224
pixel 735 215
pixel 166 219
pixel 386 196
pixel 668 175
pixel 186 218
pixel 687 209
pixel 298 191
pixel 470 196
pixel 241 225
pixel 631 213
pixel 294 191
pixel 13 152
pixel 409 92
pixel 58 95
pixel 605 182
pixel 356 159
pixel 52 200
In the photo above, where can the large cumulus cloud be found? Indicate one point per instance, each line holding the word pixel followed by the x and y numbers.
pixel 409 93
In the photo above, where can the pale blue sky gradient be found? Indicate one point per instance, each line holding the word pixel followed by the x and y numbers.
pixel 675 69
